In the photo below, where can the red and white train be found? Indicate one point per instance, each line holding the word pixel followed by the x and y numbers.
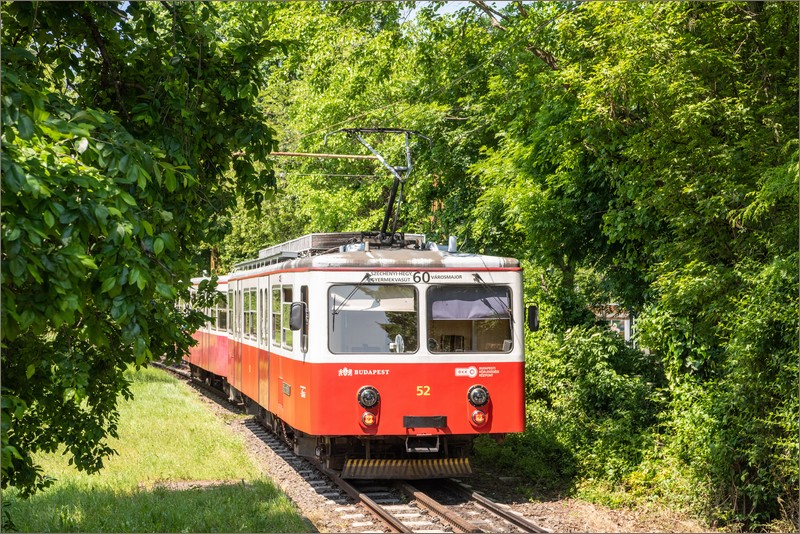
pixel 381 361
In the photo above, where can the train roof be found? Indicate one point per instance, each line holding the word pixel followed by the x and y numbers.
pixel 353 251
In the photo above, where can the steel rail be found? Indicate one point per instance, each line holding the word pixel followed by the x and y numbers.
pixel 376 509
pixel 437 508
pixel 514 519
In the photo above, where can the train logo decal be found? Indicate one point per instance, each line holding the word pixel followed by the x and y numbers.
pixel 346 371
pixel 470 372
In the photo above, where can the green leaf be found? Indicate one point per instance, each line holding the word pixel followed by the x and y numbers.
pixel 108 283
pixel 148 228
pixel 165 290
pixel 17 266
pixel 25 127
pixel 122 165
pixel 158 245
pixel 29 371
pixel 127 198
pixel 169 180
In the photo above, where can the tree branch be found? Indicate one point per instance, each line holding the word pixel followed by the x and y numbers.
pixel 548 58
pixel 108 65
pixel 492 13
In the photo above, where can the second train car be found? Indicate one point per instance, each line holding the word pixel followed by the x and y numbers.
pixel 379 361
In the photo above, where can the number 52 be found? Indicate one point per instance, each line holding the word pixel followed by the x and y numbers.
pixel 423 391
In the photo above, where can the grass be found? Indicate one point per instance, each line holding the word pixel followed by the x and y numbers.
pixel 178 469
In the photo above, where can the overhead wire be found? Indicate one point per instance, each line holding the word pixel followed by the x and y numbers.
pixel 328 175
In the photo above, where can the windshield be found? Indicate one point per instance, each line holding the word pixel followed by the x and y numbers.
pixel 469 319
pixel 373 318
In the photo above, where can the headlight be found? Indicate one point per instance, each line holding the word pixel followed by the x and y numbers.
pixel 478 396
pixel 368 397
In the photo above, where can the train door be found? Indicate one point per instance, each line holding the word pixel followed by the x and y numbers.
pixel 275 328
pixel 263 342
pixel 237 335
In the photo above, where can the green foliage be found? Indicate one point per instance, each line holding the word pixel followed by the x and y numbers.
pixel 658 167
pixel 118 127
pixel 600 392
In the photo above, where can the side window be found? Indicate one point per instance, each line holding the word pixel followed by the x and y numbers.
pixel 304 331
pixel 230 311
pixel 212 317
pixel 281 307
pixel 286 305
pixel 246 313
pixel 276 316
pixel 222 312
pixel 253 313
pixel 264 316
pixel 249 312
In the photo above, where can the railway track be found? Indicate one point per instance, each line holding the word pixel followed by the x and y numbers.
pixel 442 505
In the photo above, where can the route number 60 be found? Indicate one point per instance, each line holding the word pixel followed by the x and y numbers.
pixel 421 277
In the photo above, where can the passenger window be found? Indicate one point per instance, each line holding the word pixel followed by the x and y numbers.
pixel 286 306
pixel 281 306
pixel 222 312
pixel 264 316
pixel 276 316
pixel 230 304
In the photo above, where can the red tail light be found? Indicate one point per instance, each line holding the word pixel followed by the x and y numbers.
pixel 368 419
pixel 479 418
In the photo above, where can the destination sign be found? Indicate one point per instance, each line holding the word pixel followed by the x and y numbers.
pixel 412 277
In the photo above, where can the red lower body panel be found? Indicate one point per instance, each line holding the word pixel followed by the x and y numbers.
pixel 415 398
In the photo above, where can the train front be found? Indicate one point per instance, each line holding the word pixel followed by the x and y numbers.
pixel 423 352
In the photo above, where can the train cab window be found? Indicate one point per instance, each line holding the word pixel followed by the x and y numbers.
pixel 469 319
pixel 373 318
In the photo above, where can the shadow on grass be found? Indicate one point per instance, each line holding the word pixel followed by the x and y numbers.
pixel 252 507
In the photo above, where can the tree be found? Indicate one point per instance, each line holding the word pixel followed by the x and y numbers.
pixel 127 135
pixel 661 155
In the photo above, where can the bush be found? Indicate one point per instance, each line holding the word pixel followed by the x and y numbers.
pixel 590 409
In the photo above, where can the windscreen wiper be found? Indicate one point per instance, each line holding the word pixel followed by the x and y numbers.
pixel 337 309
